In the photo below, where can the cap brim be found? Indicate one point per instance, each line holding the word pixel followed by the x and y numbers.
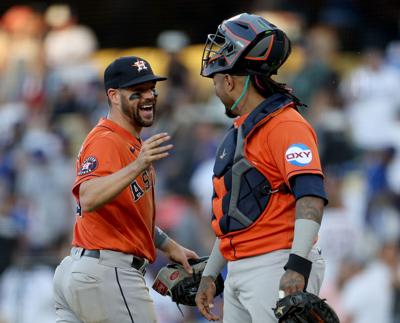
pixel 143 79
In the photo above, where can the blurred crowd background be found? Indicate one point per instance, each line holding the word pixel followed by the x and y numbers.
pixel 345 66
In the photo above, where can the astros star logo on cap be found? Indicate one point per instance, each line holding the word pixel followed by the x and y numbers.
pixel 140 65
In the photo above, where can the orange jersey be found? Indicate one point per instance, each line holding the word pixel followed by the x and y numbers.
pixel 282 146
pixel 125 224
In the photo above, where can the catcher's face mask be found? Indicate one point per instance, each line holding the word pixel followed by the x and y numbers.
pixel 245 44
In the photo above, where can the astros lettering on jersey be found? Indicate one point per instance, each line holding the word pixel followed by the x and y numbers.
pixel 126 227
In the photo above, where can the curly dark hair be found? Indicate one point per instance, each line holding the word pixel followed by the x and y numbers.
pixel 266 86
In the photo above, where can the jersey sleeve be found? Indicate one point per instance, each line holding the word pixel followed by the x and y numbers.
pixel 97 158
pixel 293 146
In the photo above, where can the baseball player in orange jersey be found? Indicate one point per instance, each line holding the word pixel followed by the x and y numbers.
pixel 114 235
pixel 268 185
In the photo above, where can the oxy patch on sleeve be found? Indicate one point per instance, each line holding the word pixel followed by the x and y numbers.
pixel 299 155
pixel 88 166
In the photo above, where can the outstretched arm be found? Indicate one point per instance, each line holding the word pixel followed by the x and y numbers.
pixel 98 191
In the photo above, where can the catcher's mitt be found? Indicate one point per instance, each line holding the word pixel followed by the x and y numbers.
pixel 303 307
pixel 173 280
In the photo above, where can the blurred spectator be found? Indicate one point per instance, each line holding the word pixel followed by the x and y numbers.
pixel 26 294
pixel 178 216
pixel 201 186
pixel 23 69
pixel 67 42
pixel 377 165
pixel 8 226
pixel 368 297
pixel 373 101
pixel 382 209
pixel 44 181
pixel 339 233
pixel 331 290
pixel 333 129
pixel 13 211
pixel 393 54
pixel 346 18
pixel 73 79
pixel 26 288
pixel 320 47
pixel 179 90
pixel 194 143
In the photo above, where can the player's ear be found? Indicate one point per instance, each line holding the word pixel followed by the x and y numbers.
pixel 229 82
pixel 234 84
pixel 113 96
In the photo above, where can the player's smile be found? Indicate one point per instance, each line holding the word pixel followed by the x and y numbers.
pixel 147 111
pixel 139 104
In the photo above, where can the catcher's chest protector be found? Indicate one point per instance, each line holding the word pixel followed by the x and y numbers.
pixel 243 189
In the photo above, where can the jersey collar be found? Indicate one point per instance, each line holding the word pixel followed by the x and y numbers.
pixel 270 102
pixel 239 120
pixel 107 123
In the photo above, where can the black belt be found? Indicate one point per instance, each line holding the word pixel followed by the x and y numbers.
pixel 137 262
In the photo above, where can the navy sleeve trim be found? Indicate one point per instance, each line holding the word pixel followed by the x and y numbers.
pixel 303 170
pixel 308 185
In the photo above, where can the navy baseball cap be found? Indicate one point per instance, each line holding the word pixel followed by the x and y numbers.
pixel 128 71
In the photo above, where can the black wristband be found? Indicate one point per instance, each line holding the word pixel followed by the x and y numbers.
pixel 300 265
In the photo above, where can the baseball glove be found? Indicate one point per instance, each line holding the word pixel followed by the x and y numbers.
pixel 174 281
pixel 303 307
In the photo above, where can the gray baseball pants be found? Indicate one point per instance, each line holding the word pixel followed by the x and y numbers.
pixel 252 286
pixel 103 290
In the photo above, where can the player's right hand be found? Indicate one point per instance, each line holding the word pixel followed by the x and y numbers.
pixel 291 282
pixel 152 150
pixel 205 296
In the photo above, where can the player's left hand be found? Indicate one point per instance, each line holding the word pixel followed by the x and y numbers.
pixel 291 282
pixel 205 297
pixel 177 253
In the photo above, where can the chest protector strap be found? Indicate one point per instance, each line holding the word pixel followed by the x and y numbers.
pixel 248 190
pixel 240 166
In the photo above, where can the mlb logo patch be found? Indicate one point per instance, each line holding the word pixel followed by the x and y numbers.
pixel 298 155
pixel 88 166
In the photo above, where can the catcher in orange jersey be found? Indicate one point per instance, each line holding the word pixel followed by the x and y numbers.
pixel 268 184
pixel 102 280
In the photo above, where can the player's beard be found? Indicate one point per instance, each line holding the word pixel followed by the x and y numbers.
pixel 228 103
pixel 229 113
pixel 133 113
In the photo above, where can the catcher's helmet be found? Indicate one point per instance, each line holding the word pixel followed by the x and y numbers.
pixel 245 44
